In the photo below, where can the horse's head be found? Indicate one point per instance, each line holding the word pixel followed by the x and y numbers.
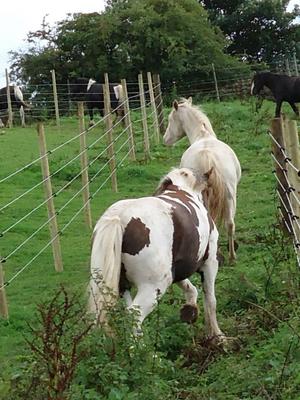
pixel 186 179
pixel 175 130
pixel 257 84
pixel 186 119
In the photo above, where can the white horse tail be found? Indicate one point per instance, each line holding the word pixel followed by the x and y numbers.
pixel 105 266
pixel 216 194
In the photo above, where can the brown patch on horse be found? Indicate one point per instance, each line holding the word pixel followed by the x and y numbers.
pixel 185 198
pixel 136 236
pixel 186 240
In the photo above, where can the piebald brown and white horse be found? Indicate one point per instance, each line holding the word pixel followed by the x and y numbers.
pixel 152 242
pixel 207 151
pixel 17 101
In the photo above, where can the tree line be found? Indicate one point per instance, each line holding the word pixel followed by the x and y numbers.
pixel 179 39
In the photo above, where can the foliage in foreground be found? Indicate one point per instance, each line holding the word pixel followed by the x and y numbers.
pixel 173 360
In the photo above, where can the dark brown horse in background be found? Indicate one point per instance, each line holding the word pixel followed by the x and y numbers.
pixel 283 87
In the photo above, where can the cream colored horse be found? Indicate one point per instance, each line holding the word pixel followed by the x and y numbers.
pixel 207 151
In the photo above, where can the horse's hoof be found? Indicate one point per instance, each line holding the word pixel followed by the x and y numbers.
pixel 189 313
pixel 225 343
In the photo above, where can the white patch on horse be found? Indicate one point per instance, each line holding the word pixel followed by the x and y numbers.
pixel 178 201
pixel 90 84
pixel 117 90
pixel 18 94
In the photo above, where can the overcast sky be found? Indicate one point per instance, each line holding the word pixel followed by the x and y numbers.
pixel 20 17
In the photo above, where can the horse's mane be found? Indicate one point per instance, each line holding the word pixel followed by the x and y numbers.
pixel 203 118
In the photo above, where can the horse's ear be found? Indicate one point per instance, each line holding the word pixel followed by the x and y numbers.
pixel 163 185
pixel 175 104
pixel 190 100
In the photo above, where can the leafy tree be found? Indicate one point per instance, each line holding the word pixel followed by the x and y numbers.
pixel 258 30
pixel 172 37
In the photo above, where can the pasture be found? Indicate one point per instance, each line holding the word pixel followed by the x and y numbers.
pixel 258 298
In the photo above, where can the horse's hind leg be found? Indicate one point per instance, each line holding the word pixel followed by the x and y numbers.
pixel 145 301
pixel 278 108
pixel 295 108
pixel 189 312
pixel 22 116
pixel 230 227
pixel 210 270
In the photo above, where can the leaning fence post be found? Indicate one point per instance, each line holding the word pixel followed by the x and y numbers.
pixel 144 116
pixel 216 82
pixel 280 170
pixel 9 107
pixel 54 233
pixel 109 130
pixel 3 301
pixel 159 102
pixel 84 167
pixel 153 106
pixel 55 98
pixel 128 123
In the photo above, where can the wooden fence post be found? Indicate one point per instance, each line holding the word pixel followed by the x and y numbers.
pixel 110 139
pixel 54 233
pixel 216 82
pixel 9 107
pixel 55 98
pixel 84 167
pixel 128 123
pixel 153 106
pixel 159 103
pixel 280 166
pixel 291 141
pixel 69 96
pixel 3 301
pixel 144 116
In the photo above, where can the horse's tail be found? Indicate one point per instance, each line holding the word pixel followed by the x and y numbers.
pixel 119 94
pixel 105 266
pixel 216 192
pixel 19 96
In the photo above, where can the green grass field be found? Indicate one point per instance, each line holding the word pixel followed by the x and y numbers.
pixel 258 298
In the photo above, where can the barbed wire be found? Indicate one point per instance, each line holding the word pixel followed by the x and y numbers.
pixel 8 282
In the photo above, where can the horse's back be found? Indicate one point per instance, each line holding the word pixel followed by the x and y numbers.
pixel 160 236
pixel 222 156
